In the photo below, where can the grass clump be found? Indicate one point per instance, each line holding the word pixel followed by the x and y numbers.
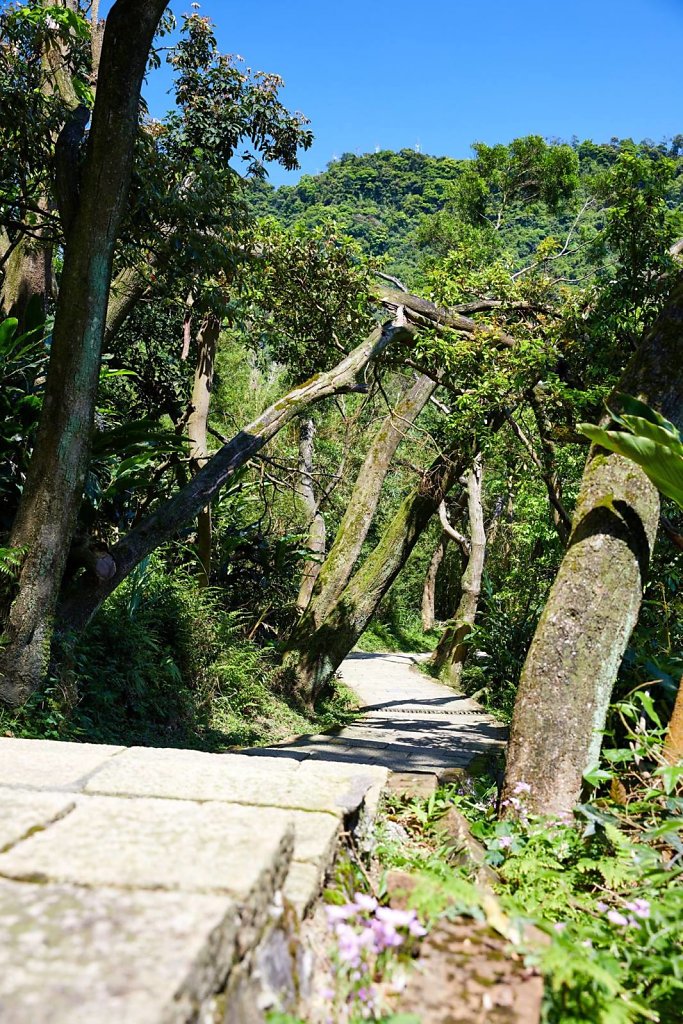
pixel 165 664
pixel 399 631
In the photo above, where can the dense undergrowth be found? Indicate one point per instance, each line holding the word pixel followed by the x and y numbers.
pixel 165 664
pixel 605 889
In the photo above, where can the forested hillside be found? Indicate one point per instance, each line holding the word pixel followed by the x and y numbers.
pixel 397 204
pixel 413 403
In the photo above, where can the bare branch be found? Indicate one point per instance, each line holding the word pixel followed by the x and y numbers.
pixel 454 534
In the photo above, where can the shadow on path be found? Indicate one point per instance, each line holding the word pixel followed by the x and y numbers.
pixel 407 721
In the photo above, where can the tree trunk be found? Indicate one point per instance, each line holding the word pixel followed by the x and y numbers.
pixel 316 521
pixel 47 513
pixel 28 281
pixel 429 589
pixel 567 680
pixel 451 653
pixel 126 290
pixel 353 529
pixel 312 663
pixel 673 745
pixel 207 339
pixel 78 608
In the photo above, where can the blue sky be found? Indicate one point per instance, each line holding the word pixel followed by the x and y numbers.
pixel 440 75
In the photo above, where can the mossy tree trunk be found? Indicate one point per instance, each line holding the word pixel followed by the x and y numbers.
pixel 47 513
pixel 310 666
pixel 451 653
pixel 567 680
pixel 353 529
pixel 28 281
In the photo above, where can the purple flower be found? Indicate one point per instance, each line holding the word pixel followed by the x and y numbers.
pixel 385 935
pixel 504 842
pixel 522 787
pixel 616 918
pixel 640 907
pixel 601 907
pixel 416 929
pixel 349 945
pixel 336 913
pixel 366 937
pixel 364 902
pixel 397 918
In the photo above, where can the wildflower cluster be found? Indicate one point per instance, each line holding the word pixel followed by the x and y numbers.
pixel 366 934
pixel 640 911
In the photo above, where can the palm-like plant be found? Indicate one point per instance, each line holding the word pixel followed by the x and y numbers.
pixel 646 438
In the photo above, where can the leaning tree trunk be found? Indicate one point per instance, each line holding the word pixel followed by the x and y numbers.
pixel 567 680
pixel 207 339
pixel 451 653
pixel 429 588
pixel 47 513
pixel 315 542
pixel 310 666
pixel 338 566
pixel 78 607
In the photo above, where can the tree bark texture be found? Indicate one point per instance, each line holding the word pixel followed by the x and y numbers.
pixel 673 744
pixel 429 588
pixel 28 280
pixel 451 653
pixel 567 680
pixel 162 525
pixel 207 340
pixel 315 541
pixel 46 517
pixel 338 567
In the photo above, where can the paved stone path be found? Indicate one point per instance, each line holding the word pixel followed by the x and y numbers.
pixel 409 723
pixel 144 886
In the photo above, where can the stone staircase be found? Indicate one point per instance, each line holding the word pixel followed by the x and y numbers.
pixel 155 886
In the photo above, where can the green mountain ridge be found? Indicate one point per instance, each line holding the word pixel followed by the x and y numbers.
pixel 391 202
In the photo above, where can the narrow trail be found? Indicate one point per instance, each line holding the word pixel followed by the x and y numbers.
pixel 407 721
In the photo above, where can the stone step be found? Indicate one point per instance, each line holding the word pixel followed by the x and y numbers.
pixel 135 882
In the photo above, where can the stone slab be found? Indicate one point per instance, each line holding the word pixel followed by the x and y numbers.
pixel 24 810
pixel 160 844
pixel 302 886
pixel 71 955
pixel 232 778
pixel 50 764
pixel 315 836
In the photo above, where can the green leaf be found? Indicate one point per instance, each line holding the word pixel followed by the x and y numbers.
pixel 8 329
pixel 663 466
pixel 649 707
pixel 594 776
pixel 634 407
pixel 641 428
pixel 671 775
